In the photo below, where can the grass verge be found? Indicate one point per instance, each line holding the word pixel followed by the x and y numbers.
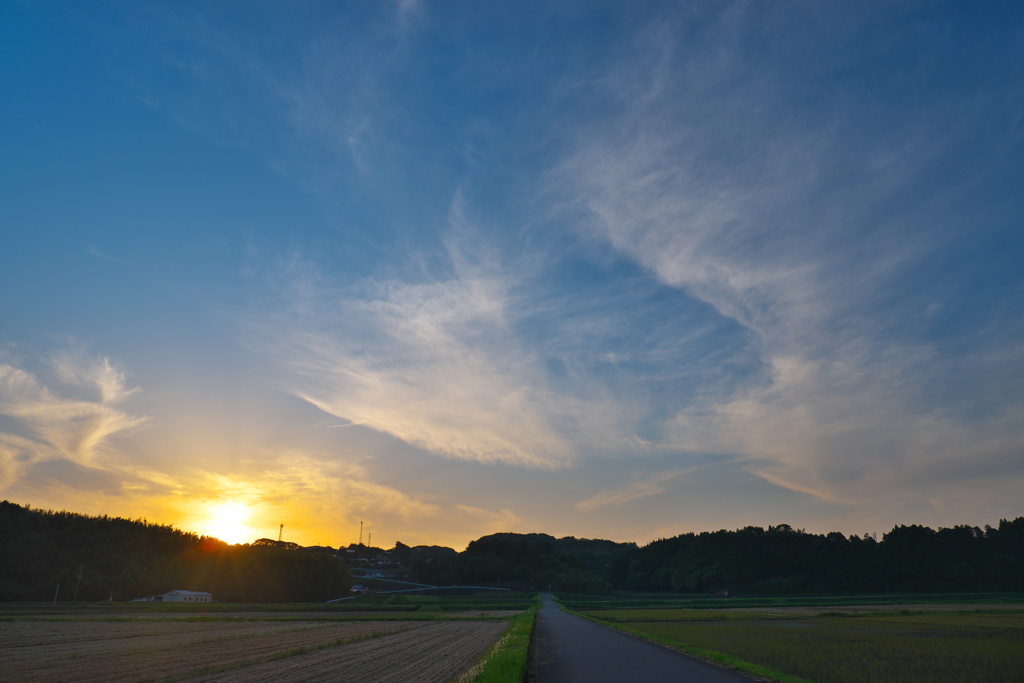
pixel 505 661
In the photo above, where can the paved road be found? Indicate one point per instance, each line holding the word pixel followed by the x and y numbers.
pixel 568 648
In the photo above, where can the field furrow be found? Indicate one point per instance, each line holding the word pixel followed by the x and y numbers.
pixel 26 633
pixel 175 657
pixel 434 653
pixel 59 639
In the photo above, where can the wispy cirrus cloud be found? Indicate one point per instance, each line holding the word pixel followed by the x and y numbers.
pixel 502 520
pixel 71 419
pixel 531 356
pixel 650 486
pixel 809 208
pixel 56 432
pixel 800 219
pixel 435 363
pixel 311 100
pixel 93 251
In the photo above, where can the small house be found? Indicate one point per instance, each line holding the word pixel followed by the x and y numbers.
pixel 187 596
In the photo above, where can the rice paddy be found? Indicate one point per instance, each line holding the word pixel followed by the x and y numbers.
pixel 958 644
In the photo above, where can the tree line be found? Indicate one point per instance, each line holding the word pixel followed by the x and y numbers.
pixel 127 559
pixel 780 560
pixel 540 561
pixel 754 560
pixel 134 558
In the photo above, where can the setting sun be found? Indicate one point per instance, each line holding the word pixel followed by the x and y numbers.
pixel 227 521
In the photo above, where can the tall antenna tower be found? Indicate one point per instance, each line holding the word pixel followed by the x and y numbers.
pixel 280 533
pixel 369 540
pixel 360 532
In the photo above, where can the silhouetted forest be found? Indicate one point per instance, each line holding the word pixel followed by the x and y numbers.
pixel 132 559
pixel 781 559
pixel 39 549
pixel 754 560
pixel 579 565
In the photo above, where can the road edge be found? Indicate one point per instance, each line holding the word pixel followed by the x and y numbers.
pixel 756 672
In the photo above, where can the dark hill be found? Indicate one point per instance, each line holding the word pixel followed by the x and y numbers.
pixel 133 558
pixel 539 560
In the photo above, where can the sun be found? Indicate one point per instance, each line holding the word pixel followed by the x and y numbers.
pixel 227 521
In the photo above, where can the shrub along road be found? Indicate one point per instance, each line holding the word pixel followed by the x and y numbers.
pixel 568 648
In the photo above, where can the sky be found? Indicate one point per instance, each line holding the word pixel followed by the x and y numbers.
pixel 600 269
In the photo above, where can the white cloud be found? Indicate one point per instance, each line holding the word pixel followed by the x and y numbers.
pixel 327 488
pixel 430 364
pixel 651 486
pixel 319 496
pixel 439 364
pixel 50 422
pixel 503 518
pixel 312 107
pixel 409 13
pixel 710 174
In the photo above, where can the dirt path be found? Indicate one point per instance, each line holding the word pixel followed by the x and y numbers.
pixel 568 649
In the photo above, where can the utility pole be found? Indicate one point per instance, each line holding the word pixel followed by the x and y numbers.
pixel 75 599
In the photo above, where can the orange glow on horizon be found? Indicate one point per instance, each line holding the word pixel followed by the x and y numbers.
pixel 227 521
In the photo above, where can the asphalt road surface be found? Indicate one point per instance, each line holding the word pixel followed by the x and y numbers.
pixel 568 648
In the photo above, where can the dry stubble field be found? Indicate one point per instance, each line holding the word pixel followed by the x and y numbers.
pixel 33 650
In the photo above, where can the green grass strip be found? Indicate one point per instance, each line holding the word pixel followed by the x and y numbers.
pixel 505 661
pixel 728 661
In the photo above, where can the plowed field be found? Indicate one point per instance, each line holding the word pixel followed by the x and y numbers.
pixel 434 653
pixel 81 650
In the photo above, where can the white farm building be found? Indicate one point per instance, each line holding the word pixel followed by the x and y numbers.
pixel 187 596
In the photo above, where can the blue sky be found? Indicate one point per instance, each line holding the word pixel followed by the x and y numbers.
pixel 595 269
